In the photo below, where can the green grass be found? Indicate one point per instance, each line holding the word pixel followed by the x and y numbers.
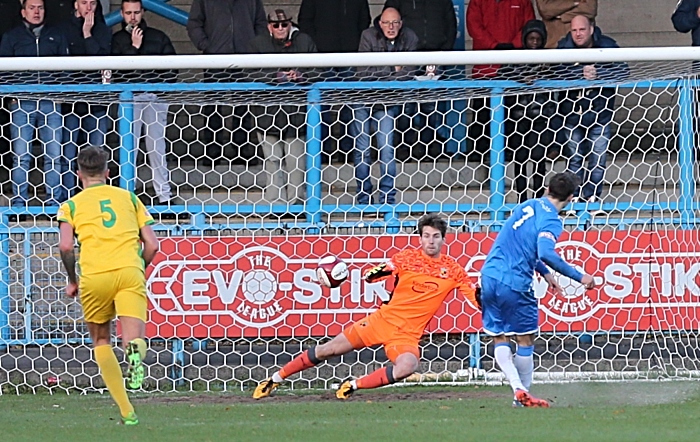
pixel 652 411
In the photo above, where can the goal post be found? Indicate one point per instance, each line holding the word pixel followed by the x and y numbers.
pixel 233 295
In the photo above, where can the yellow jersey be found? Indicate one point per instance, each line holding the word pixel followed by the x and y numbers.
pixel 107 221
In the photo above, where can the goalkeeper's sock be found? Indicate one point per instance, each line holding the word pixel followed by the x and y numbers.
pixel 112 376
pixel 305 360
pixel 524 364
pixel 378 378
pixel 504 358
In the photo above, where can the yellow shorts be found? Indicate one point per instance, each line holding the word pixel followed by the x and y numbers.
pixel 120 292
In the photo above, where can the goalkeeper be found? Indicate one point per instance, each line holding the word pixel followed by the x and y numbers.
pixel 111 225
pixel 424 278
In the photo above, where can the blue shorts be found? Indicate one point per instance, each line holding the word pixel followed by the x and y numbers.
pixel 505 311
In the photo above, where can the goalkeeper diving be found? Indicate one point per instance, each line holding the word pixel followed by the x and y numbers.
pixel 424 278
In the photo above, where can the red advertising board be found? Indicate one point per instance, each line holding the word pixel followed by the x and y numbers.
pixel 266 286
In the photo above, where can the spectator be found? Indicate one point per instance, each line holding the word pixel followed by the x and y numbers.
pixel 434 21
pixel 35 39
pixel 61 11
pixel 557 15
pixel 387 35
pixel 496 24
pixel 282 127
pixel 493 24
pixel 530 124
pixel 9 19
pixel 686 18
pixel 137 38
pixel 335 26
pixel 223 27
pixel 588 112
pixel 87 35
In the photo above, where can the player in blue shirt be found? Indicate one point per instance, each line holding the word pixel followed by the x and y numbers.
pixel 509 307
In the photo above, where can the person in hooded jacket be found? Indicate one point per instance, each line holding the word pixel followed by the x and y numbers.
pixel 531 118
pixel 588 112
pixel 281 129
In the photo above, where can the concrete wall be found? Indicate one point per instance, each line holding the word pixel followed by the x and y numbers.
pixel 630 22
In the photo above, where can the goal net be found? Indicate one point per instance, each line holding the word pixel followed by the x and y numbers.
pixel 254 170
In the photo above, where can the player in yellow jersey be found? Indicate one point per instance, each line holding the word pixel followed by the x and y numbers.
pixel 116 245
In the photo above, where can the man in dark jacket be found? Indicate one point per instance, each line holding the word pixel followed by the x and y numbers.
pixel 335 26
pixel 686 18
pixel 34 39
pixel 531 118
pixel 282 128
pixel 387 35
pixel 588 112
pixel 434 21
pixel 150 114
pixel 87 35
pixel 223 27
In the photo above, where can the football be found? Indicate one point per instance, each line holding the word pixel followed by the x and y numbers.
pixel 331 271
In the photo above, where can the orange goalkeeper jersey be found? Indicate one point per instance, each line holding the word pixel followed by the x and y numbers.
pixel 422 285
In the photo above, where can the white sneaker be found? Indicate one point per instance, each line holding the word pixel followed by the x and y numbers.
pixel 571 211
pixel 599 210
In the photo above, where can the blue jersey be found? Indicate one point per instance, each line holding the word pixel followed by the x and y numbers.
pixel 534 226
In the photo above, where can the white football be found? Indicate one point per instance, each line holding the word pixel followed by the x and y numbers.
pixel 331 271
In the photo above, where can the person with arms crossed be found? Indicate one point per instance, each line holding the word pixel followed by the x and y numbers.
pixel 424 278
pixel 508 303
pixel 117 243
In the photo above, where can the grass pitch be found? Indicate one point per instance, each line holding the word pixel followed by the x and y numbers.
pixel 639 411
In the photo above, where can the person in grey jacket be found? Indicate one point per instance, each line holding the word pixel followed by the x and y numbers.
pixel 223 27
pixel 387 35
pixel 281 129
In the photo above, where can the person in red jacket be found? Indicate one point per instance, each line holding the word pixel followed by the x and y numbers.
pixel 496 24
pixel 493 24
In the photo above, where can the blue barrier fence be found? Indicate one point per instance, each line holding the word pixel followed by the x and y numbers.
pixel 313 209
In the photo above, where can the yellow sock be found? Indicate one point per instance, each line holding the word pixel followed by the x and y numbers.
pixel 112 376
pixel 143 348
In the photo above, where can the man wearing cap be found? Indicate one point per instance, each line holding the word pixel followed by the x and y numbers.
pixel 281 129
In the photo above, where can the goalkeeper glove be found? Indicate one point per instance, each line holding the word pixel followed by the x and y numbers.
pixel 376 273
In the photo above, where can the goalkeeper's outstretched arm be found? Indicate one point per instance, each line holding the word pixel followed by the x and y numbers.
pixel 379 272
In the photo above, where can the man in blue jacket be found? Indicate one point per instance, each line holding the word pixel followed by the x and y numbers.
pixel 34 39
pixel 588 112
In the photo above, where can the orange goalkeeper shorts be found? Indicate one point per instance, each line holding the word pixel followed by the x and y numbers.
pixel 375 330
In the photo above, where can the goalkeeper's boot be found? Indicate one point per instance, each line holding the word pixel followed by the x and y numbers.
pixel 528 400
pixel 345 391
pixel 265 388
pixel 130 419
pixel 135 371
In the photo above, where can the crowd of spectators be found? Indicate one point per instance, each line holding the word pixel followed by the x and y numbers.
pixel 540 125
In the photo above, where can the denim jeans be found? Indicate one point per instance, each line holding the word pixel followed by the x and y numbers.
pixel 94 124
pixel 589 142
pixel 26 116
pixel 361 129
